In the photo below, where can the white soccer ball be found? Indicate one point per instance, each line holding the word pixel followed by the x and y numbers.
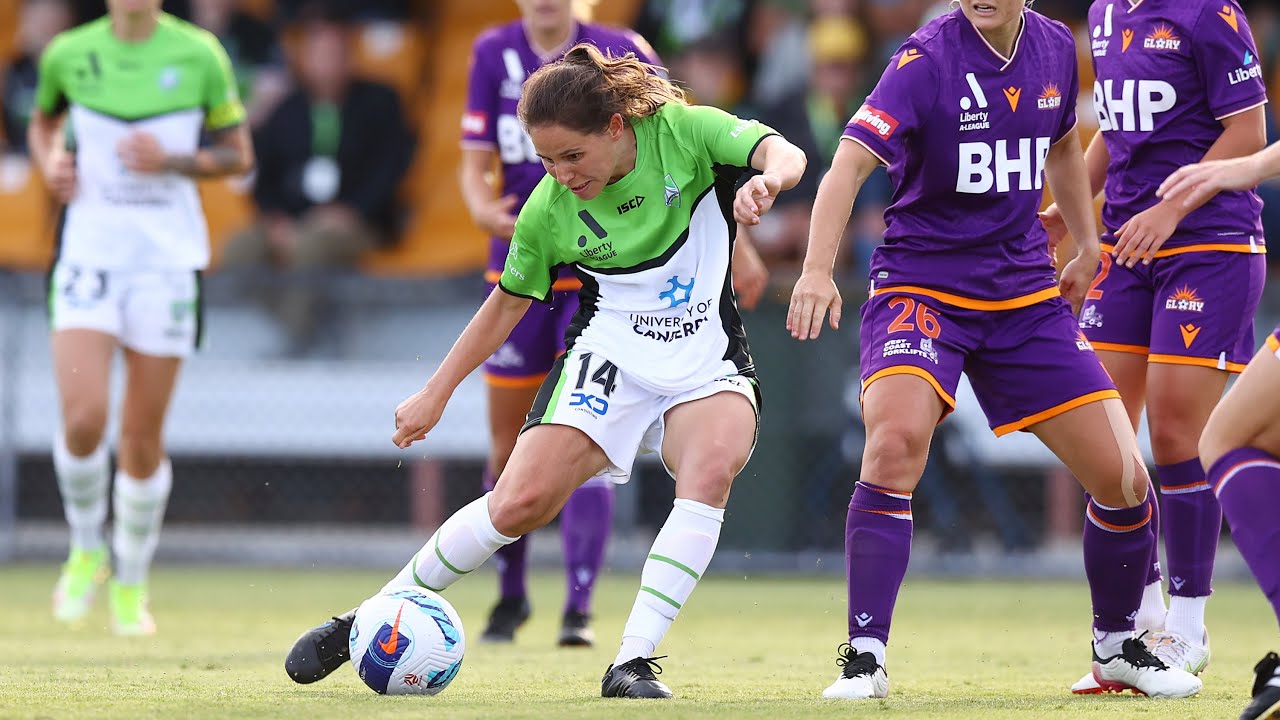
pixel 407 641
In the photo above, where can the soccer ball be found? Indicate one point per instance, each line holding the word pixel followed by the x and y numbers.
pixel 407 641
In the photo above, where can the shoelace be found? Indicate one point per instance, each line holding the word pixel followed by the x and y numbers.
pixel 1266 669
pixel 853 663
pixel 1171 649
pixel 644 668
pixel 1138 655
pixel 329 651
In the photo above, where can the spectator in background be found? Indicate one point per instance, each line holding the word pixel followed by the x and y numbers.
pixel 331 157
pixel 674 25
pixel 254 51
pixel 39 21
pixel 814 116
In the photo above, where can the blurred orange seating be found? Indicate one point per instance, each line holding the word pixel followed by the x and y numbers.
pixel 228 206
pixel 26 240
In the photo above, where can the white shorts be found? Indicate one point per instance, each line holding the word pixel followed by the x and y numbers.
pixel 586 391
pixel 152 312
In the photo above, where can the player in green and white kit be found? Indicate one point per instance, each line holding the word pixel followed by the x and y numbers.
pixel 120 106
pixel 640 199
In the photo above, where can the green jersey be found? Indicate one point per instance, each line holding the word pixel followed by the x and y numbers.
pixel 652 250
pixel 171 85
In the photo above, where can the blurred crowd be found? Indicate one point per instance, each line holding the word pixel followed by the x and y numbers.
pixel 334 149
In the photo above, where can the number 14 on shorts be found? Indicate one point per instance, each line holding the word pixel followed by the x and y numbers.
pixel 605 376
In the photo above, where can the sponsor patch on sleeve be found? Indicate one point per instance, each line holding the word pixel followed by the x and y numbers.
pixel 878 121
pixel 474 122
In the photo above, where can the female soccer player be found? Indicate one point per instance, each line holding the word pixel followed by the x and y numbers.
pixel 1171 309
pixel 972 114
pixel 657 356
pixel 501 60
pixel 135 89
pixel 1240 445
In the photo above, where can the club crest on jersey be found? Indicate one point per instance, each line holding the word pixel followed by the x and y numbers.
pixel 1050 97
pixel 1162 38
pixel 877 121
pixel 168 78
pixel 1184 300
pixel 670 191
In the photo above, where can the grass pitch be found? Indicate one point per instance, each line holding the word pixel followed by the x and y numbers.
pixel 743 647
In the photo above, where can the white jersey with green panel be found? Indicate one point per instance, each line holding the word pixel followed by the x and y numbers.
pixel 653 251
pixel 171 85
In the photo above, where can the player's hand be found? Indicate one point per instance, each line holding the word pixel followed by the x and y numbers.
pixel 750 275
pixel 495 217
pixel 1144 234
pixel 1076 278
pixel 141 152
pixel 416 416
pixel 1196 184
pixel 60 174
pixel 755 197
pixel 813 296
pixel 1053 223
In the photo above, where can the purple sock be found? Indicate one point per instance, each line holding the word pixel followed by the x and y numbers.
pixel 1247 483
pixel 1193 522
pixel 510 560
pixel 1117 552
pixel 877 548
pixel 585 523
pixel 1153 568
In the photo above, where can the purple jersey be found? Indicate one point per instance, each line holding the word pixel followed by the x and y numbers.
pixel 501 59
pixel 965 133
pixel 1168 73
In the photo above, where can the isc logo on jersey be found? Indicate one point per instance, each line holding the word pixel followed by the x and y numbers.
pixel 1136 106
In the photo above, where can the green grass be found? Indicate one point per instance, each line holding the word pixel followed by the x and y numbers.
pixel 743 647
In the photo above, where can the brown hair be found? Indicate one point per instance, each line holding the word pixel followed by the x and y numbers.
pixel 584 90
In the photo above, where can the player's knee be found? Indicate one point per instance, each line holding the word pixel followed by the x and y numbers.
pixel 1215 442
pixel 708 477
pixel 521 510
pixel 1175 437
pixel 1125 484
pixel 892 445
pixel 139 454
pixel 83 428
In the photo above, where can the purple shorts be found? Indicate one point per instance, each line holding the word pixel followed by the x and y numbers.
pixel 535 343
pixel 1193 308
pixel 1026 364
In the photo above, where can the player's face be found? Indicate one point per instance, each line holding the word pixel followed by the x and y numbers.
pixel 546 15
pixel 992 15
pixel 582 162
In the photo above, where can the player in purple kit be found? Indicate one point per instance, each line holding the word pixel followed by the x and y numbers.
pixel 1171 309
pixel 1240 446
pixel 501 60
pixel 973 113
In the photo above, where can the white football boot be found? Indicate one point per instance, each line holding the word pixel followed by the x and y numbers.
pixel 1136 669
pixel 1177 652
pixel 861 677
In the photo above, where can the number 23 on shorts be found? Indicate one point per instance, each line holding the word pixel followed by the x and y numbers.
pixel 926 321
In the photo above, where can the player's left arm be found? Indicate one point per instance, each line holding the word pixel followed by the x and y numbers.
pixel 1068 177
pixel 1236 95
pixel 781 165
pixel 232 150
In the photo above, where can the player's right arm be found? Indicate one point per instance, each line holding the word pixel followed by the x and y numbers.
pixel 44 132
pixel 493 322
pixel 1201 181
pixel 480 148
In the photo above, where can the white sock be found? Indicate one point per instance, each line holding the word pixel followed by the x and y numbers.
pixel 1109 644
pixel 679 556
pixel 871 645
pixel 1186 617
pixel 460 545
pixel 139 513
pixel 82 481
pixel 1151 613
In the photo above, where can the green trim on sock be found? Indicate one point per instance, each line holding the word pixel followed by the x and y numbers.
pixel 660 596
pixel 440 555
pixel 675 563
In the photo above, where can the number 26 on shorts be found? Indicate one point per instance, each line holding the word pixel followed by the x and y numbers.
pixel 925 319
